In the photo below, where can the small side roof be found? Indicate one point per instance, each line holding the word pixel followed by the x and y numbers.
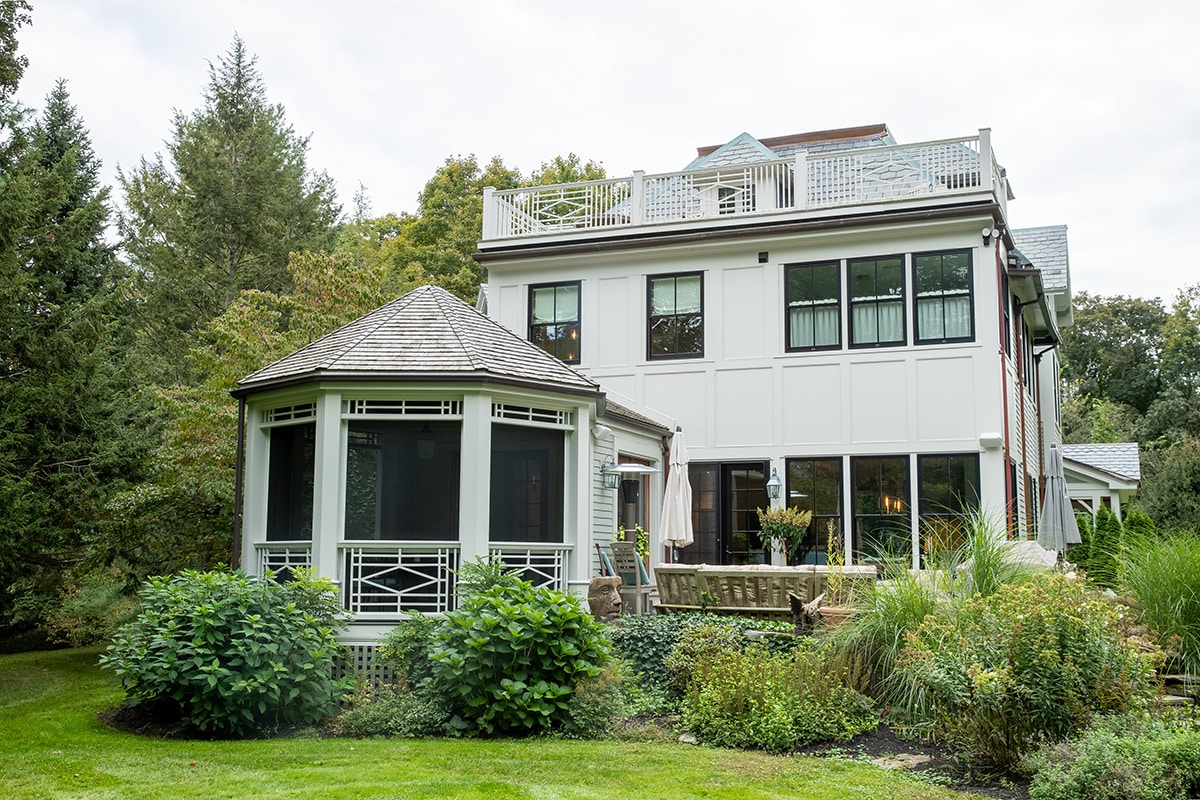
pixel 1119 459
pixel 425 335
pixel 1046 248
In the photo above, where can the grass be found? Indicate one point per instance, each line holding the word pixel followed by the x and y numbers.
pixel 1163 573
pixel 53 747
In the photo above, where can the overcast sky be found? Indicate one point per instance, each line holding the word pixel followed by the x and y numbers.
pixel 1094 106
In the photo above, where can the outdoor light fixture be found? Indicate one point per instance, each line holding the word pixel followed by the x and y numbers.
pixel 612 478
pixel 774 485
pixel 987 234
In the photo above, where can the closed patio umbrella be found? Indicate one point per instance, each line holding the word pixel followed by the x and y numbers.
pixel 1057 527
pixel 676 523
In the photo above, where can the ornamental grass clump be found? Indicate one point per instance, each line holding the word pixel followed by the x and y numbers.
pixel 1030 664
pixel 1163 575
pixel 231 654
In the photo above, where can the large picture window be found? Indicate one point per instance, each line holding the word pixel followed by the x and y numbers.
pixel 675 320
pixel 402 480
pixel 815 484
pixel 949 489
pixel 877 301
pixel 942 287
pixel 881 513
pixel 290 482
pixel 554 319
pixel 814 306
pixel 527 484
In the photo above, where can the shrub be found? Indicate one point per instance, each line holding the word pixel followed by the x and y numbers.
pixel 1121 758
pixel 510 657
pixel 404 650
pixel 1029 664
pixel 92 609
pixel 1104 551
pixel 775 701
pixel 231 654
pixel 1164 577
pixel 387 710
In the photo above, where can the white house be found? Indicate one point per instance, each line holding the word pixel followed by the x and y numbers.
pixel 855 317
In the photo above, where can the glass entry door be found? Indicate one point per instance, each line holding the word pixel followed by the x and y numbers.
pixel 725 502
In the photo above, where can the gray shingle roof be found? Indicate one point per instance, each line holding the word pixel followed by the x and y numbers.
pixel 1120 459
pixel 427 334
pixel 1046 247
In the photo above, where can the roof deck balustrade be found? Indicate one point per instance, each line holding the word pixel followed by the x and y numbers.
pixel 863 176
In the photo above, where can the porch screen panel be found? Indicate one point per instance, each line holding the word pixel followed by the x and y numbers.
pixel 290 462
pixel 527 484
pixel 402 480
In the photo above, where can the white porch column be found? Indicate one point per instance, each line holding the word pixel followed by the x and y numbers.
pixel 475 477
pixel 577 511
pixel 985 159
pixel 637 200
pixel 254 489
pixel 327 486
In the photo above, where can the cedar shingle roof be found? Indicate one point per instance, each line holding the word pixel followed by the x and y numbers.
pixel 1120 458
pixel 427 335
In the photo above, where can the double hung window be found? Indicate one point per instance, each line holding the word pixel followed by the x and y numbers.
pixel 675 318
pixel 942 290
pixel 877 301
pixel 554 319
pixel 814 306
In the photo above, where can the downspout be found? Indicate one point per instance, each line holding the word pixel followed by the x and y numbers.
pixel 239 469
pixel 1003 302
pixel 1037 359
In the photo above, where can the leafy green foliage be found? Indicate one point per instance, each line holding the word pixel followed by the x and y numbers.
pixel 389 710
pixel 222 214
pixel 1170 489
pixel 92 608
pixel 1029 664
pixel 404 650
pixel 1163 575
pixel 231 654
pixel 784 529
pixel 1105 549
pixel 755 698
pixel 510 657
pixel 1125 757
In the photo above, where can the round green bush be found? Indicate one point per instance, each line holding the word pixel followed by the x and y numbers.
pixel 231 654
pixel 509 659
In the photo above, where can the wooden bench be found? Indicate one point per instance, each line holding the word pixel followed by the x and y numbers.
pixel 757 591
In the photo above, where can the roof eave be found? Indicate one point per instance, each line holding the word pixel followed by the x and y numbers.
pixel 480 377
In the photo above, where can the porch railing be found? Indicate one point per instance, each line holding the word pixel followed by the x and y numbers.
pixel 865 175
pixel 282 557
pixel 540 564
pixel 384 579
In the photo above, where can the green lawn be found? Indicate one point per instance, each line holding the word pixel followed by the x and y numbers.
pixel 51 746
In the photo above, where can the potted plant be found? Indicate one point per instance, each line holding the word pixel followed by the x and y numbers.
pixel 838 606
pixel 784 528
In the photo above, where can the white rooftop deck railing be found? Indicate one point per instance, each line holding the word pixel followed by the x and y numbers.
pixel 826 180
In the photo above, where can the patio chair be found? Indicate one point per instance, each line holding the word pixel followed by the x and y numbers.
pixel 636 587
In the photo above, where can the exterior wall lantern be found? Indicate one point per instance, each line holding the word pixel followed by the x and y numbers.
pixel 774 485
pixel 612 478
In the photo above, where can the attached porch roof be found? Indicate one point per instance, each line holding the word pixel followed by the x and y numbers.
pixel 425 335
pixel 1119 459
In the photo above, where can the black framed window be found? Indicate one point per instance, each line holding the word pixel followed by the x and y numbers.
pixel 943 298
pixel 290 463
pixel 881 514
pixel 813 306
pixel 675 318
pixel 815 484
pixel 948 490
pixel 402 480
pixel 527 484
pixel 877 301
pixel 554 319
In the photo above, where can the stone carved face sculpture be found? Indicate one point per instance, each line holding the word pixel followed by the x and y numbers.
pixel 604 598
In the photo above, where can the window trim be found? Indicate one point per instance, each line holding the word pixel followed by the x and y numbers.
pixel 916 298
pixel 650 316
pixel 787 306
pixel 533 287
pixel 850 304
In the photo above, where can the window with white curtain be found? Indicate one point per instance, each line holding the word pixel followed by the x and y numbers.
pixel 814 306
pixel 876 301
pixel 942 288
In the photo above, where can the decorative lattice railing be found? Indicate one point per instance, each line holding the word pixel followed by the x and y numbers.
pixel 866 175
